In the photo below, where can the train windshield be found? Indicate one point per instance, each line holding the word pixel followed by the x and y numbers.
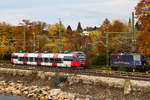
pixel 137 57
pixel 81 57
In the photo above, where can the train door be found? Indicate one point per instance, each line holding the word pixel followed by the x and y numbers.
pixel 31 59
pixel 39 59
pixel 20 58
pixel 60 60
pixel 67 61
pixel 46 60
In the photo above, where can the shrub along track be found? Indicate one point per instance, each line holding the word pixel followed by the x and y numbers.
pixel 77 71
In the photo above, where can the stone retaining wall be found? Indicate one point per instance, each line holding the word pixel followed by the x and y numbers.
pixel 40 85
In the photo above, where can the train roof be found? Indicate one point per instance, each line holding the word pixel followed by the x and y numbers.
pixel 47 52
pixel 128 53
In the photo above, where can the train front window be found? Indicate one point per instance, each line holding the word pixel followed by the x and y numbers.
pixel 75 59
pixel 81 57
pixel 137 57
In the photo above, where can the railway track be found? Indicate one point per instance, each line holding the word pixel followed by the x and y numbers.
pixel 104 73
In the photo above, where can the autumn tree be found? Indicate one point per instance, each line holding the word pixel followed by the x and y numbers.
pixel 106 26
pixel 143 16
pixel 54 36
pixel 120 41
pixel 33 31
pixel 6 35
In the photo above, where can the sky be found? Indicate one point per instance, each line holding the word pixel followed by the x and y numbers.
pixel 88 12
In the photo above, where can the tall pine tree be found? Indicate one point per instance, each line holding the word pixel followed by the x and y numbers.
pixel 106 22
pixel 69 29
pixel 79 28
pixel 129 21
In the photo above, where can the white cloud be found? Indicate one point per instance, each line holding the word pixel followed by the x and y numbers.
pixel 89 12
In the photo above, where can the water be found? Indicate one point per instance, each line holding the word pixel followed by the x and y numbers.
pixel 4 97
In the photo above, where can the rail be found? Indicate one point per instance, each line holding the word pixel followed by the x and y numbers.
pixel 104 73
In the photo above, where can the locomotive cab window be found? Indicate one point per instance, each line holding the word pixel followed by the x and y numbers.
pixel 137 57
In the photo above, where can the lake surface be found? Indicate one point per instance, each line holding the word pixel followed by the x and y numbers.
pixel 4 97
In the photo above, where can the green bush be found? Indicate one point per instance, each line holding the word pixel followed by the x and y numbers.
pixel 124 69
pixel 5 58
pixel 100 60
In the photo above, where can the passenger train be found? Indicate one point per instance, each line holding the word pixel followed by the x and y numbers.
pixel 66 59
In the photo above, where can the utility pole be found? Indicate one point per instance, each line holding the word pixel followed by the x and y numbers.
pixel 133 31
pixel 34 41
pixel 60 37
pixel 107 39
pixel 107 49
pixel 8 45
pixel 24 44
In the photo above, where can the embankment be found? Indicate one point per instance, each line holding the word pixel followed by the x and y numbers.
pixel 39 85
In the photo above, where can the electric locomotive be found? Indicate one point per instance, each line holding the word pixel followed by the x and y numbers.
pixel 66 59
pixel 128 60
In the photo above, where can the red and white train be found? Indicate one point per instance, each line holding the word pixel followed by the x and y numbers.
pixel 70 59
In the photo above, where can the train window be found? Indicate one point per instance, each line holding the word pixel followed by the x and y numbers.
pixel 46 60
pixel 14 56
pixel 36 59
pixel 25 58
pixel 39 59
pixel 68 58
pixel 31 59
pixel 58 60
pixel 52 60
pixel 20 58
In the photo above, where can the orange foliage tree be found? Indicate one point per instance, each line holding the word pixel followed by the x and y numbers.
pixel 143 15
